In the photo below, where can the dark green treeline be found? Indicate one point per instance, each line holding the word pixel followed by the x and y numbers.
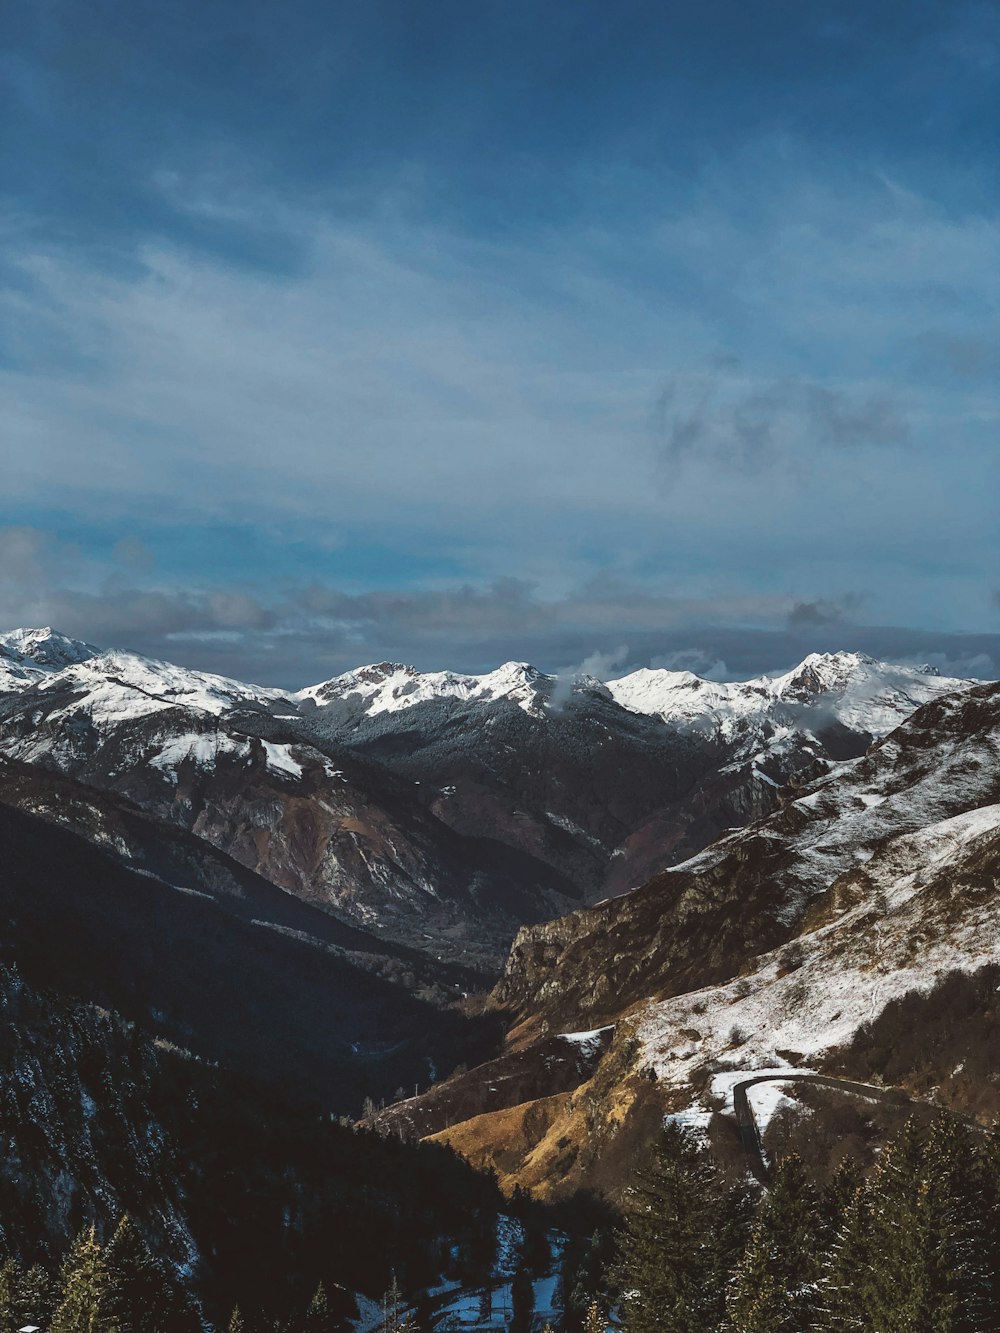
pixel 914 1248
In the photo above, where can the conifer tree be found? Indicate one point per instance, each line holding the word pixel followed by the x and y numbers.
pixel 774 1287
pixel 906 1257
pixel 990 1233
pixel 143 1298
pixel 872 1258
pixel 668 1269
pixel 840 1191
pixel 85 1289
pixel 391 1301
pixel 593 1320
pixel 34 1298
pixel 10 1283
pixel 955 1180
pixel 327 1314
pixel 522 1299
pixel 236 1322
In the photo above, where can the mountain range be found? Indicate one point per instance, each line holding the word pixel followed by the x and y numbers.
pixel 441 810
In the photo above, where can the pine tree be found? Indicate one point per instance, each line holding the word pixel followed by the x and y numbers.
pixel 907 1256
pixel 321 1316
pixel 85 1289
pixel 668 1269
pixel 143 1298
pixel 774 1287
pixel 391 1302
pixel 10 1284
pixel 959 1262
pixel 869 1262
pixel 839 1193
pixel 593 1320
pixel 522 1299
pixel 990 1233
pixel 236 1323
pixel 35 1297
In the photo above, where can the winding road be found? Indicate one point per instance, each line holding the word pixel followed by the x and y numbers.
pixel 750 1137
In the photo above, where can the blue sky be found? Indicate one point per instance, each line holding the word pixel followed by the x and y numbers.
pixel 456 332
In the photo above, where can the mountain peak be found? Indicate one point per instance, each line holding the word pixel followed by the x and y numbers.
pixel 858 691
pixel 45 647
pixel 384 687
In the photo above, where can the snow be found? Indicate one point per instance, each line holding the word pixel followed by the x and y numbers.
pixel 371 1314
pixel 588 1042
pixel 45 648
pixel 722 1085
pixel 464 1311
pixel 510 1239
pixel 279 757
pixel 201 748
pixel 849 688
pixel 768 1100
pixel 118 687
pixel 29 655
pixel 852 966
pixel 390 687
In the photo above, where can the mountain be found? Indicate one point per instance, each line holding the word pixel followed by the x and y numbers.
pixel 236 765
pixel 826 690
pixel 27 655
pixel 790 944
pixel 441 809
pixel 391 687
pixel 243 1195
pixel 108 905
pixel 608 784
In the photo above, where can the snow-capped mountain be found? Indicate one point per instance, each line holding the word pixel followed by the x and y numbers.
pixel 237 765
pixel 439 806
pixel 782 946
pixel 939 765
pixel 28 655
pixel 390 687
pixel 610 783
pixel 850 689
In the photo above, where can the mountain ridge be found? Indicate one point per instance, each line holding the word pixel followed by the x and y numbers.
pixel 445 809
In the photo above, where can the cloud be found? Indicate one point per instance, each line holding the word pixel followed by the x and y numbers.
pixel 713 416
pixel 468 414
pixel 597 665
pixel 973 357
pixel 696 660
pixel 34 558
pixel 134 555
pixel 822 611
pixel 295 634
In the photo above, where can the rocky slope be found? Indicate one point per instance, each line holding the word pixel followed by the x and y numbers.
pixel 775 947
pixel 751 890
pixel 208 956
pixel 243 1195
pixel 441 809
pixel 608 784
pixel 235 765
